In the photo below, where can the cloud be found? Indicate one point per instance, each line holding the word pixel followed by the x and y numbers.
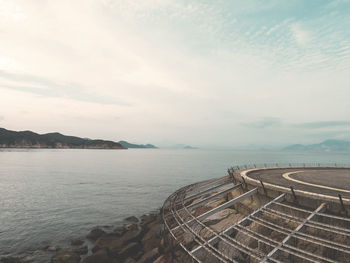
pixel 323 124
pixel 301 36
pixel 175 69
pixel 48 88
pixel 2 118
pixel 265 123
pixel 276 122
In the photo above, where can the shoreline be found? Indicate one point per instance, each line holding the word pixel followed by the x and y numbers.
pixel 143 239
pixel 141 235
pixel 140 240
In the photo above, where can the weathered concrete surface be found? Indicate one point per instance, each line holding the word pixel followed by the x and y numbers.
pixel 330 177
pixel 268 238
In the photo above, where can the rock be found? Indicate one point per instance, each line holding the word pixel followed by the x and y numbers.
pixel 186 238
pixel 9 259
pixel 133 219
pixel 147 227
pixel 231 252
pixel 95 233
pixel 179 256
pixel 131 227
pixel 52 248
pixel 100 256
pixel 77 242
pixel 152 238
pixel 110 242
pixel 20 258
pixel 208 206
pixel 163 259
pixel 150 256
pixel 131 235
pixel 114 243
pixel 80 250
pixel 129 250
pixel 130 260
pixel 119 230
pixel 217 217
pixel 138 255
pixel 147 219
pixel 221 225
pixel 65 256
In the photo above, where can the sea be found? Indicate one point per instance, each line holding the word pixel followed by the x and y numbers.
pixel 50 196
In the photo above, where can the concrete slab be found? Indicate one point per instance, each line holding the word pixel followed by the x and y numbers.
pixel 329 181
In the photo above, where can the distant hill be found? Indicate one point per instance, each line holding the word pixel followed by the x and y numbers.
pixel 182 146
pixel 29 139
pixel 141 146
pixel 328 145
pixel 189 147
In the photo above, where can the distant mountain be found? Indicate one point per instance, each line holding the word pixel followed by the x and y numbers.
pixel 182 146
pixel 328 145
pixel 142 146
pixel 189 147
pixel 29 139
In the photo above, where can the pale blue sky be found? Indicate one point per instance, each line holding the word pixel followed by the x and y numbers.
pixel 204 73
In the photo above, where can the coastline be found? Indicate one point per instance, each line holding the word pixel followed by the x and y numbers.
pixel 140 238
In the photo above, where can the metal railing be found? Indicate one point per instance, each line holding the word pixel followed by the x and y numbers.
pixel 288 164
pixel 186 227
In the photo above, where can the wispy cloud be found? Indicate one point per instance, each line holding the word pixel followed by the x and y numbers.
pixel 323 124
pixel 265 123
pixel 302 36
pixel 48 88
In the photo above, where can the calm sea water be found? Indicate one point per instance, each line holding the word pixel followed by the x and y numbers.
pixel 48 197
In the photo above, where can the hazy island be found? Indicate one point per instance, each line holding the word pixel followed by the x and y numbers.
pixel 182 146
pixel 138 146
pixel 55 140
pixel 327 145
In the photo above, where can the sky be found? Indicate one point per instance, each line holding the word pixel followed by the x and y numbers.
pixel 205 73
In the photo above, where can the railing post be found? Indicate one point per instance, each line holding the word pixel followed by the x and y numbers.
pixel 342 204
pixel 244 183
pixel 263 186
pixel 231 174
pixel 294 195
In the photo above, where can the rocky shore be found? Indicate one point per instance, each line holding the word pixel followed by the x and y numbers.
pixel 140 240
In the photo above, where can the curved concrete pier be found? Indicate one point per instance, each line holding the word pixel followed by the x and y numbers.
pixel 269 214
